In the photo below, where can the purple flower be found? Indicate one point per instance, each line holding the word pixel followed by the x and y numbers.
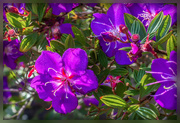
pixel 147 11
pixel 57 8
pixel 90 99
pixel 11 53
pixel 6 95
pixel 165 72
pixel 108 27
pixel 57 25
pixel 59 77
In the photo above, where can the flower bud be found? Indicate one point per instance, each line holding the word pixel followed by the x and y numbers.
pixel 109 37
pixel 123 28
pixel 11 32
pixel 135 37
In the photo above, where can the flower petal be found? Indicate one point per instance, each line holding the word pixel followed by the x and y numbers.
pixel 65 101
pixel 85 83
pixel 48 60
pixel 154 7
pixel 173 56
pixel 38 84
pixel 172 11
pixel 160 65
pixel 121 56
pixel 90 99
pixel 109 48
pixel 167 100
pixel 66 28
pixel 136 9
pixel 116 14
pixel 60 7
pixel 75 61
pixel 100 24
pixel 9 62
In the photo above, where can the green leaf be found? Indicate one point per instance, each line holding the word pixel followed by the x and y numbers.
pixel 129 20
pixel 133 108
pixel 27 30
pixel 153 107
pixel 79 35
pixel 133 101
pixel 135 28
pixel 164 28
pixel 106 89
pixel 113 101
pixel 34 8
pixel 171 45
pixel 57 46
pixel 125 48
pixel 102 58
pixel 48 14
pixel 48 48
pixel 146 113
pixel 28 19
pixel 132 92
pixel 144 90
pixel 103 75
pixel 41 43
pixel 28 42
pixel 139 74
pixel 96 69
pixel 118 72
pixel 162 40
pixel 16 20
pixel 93 55
pixel 69 42
pixel 120 88
pixel 41 8
pixel 151 35
pixel 155 23
pixel 97 94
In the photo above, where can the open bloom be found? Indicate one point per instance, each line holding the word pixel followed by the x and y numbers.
pixel 165 72
pixel 59 77
pixel 108 27
pixel 11 53
pixel 147 11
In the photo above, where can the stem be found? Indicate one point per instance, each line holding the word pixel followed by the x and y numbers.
pixel 124 115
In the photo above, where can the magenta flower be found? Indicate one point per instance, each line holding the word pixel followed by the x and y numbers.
pixel 113 82
pixel 11 53
pixel 147 11
pixel 59 77
pixel 108 27
pixel 165 72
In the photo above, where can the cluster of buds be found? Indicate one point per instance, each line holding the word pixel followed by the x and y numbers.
pixel 10 33
pixel 138 49
pixel 113 81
